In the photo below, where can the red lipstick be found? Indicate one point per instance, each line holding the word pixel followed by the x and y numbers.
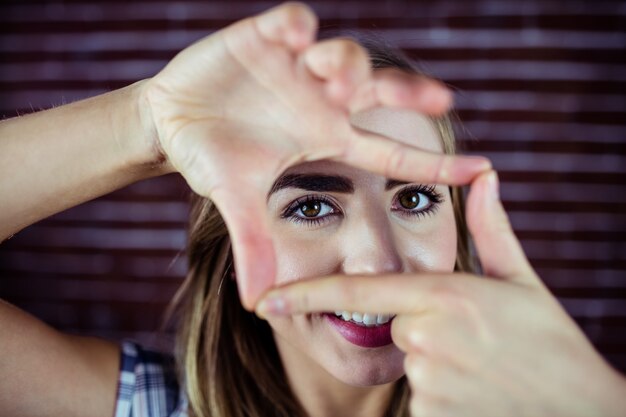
pixel 368 337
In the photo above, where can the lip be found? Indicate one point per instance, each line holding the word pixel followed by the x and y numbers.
pixel 368 337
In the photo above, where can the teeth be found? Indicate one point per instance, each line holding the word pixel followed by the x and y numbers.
pixel 367 319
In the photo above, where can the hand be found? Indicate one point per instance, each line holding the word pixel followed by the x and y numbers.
pixel 237 108
pixel 498 345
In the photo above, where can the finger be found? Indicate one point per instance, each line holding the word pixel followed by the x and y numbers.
pixel 442 335
pixel 251 241
pixel 391 87
pixel 374 294
pixel 396 160
pixel 433 377
pixel 499 251
pixel 292 23
pixel 342 63
pixel 414 333
pixel 427 406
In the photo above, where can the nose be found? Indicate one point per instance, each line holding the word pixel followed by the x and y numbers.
pixel 369 247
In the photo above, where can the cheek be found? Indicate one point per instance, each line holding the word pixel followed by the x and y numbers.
pixel 300 255
pixel 432 246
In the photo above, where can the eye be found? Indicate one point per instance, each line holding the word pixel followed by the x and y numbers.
pixel 311 210
pixel 413 200
pixel 417 200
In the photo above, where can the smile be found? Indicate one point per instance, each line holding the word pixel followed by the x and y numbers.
pixel 353 327
pixel 364 319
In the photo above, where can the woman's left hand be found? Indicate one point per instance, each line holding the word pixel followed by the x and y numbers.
pixel 498 345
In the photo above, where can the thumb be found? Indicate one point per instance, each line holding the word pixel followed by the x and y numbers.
pixel 251 241
pixel 499 251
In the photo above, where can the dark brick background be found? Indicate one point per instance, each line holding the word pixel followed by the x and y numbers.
pixel 540 90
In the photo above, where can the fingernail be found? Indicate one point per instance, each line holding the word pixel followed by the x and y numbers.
pixel 478 163
pixel 271 305
pixel 493 185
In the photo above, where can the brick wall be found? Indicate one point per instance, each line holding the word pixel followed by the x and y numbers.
pixel 540 90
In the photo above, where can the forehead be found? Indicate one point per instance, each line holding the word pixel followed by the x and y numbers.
pixel 401 125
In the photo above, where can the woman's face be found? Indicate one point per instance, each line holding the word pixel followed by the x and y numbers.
pixel 329 218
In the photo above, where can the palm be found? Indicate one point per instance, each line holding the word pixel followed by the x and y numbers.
pixel 264 111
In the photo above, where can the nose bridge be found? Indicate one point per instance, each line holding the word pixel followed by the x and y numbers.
pixel 370 246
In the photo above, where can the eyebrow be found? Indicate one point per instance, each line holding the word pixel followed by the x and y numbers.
pixel 314 182
pixel 323 183
pixel 394 183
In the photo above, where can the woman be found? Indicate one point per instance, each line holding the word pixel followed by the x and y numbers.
pixel 287 137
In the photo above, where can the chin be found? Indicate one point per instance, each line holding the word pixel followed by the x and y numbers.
pixel 366 372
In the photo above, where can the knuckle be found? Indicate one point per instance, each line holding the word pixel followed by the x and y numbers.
pixel 295 7
pixel 349 49
pixel 294 13
pixel 340 54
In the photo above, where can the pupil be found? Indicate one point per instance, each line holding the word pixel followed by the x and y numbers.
pixel 409 200
pixel 311 210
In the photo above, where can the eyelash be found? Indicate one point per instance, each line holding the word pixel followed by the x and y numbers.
pixel 435 199
pixel 289 212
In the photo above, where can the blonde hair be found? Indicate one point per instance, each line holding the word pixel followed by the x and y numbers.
pixel 225 355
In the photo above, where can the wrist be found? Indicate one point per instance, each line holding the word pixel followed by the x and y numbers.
pixel 144 151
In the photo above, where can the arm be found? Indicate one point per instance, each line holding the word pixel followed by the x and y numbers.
pixel 50 161
pixel 47 373
pixel 59 158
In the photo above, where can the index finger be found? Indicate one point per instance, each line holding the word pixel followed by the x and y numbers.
pixel 397 294
pixel 393 159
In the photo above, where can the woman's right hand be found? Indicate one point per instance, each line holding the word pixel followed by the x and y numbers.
pixel 234 110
